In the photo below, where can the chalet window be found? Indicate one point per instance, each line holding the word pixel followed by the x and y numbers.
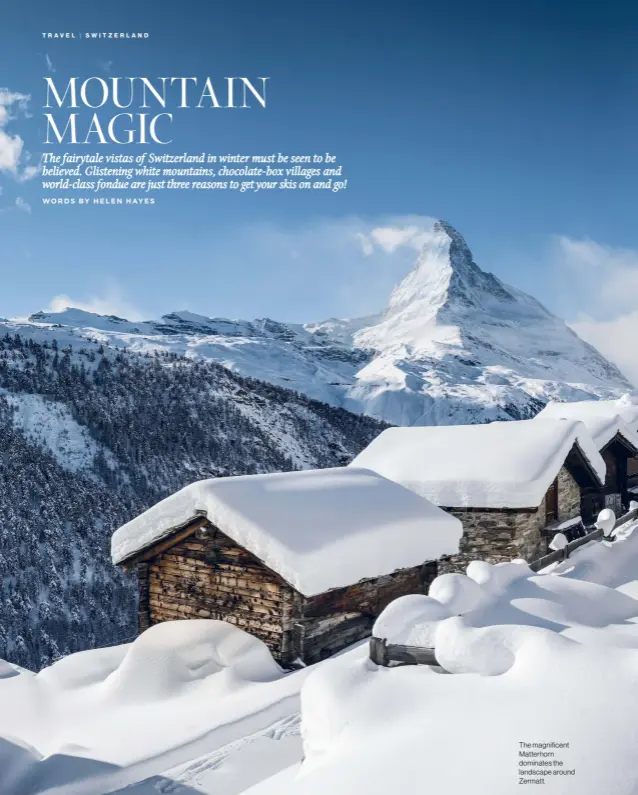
pixel 551 503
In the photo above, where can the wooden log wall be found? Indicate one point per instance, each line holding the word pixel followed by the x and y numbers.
pixel 144 617
pixel 209 576
pixel 370 597
pixel 316 639
pixel 318 626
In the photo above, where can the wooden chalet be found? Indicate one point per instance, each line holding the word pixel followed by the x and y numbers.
pixel 609 424
pixel 511 484
pixel 303 560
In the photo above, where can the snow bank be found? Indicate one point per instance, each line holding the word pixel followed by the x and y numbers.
pixel 408 620
pixel 498 465
pixel 545 658
pixel 170 656
pixel 99 720
pixel 378 730
pixel 318 529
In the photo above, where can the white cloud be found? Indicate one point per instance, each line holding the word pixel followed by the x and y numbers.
pixel 23 205
pixel 391 237
pixel 112 303
pixel 366 244
pixel 611 270
pixel 12 105
pixel 49 62
pixel 615 339
pixel 605 278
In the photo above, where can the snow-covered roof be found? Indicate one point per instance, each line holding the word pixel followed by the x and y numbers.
pixel 626 408
pixel 318 529
pixel 604 419
pixel 499 465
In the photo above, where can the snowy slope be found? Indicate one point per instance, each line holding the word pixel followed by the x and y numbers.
pixel 98 721
pixel 544 660
pixel 455 344
pixel 200 708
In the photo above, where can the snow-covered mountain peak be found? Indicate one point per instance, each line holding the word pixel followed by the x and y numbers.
pixel 455 344
pixel 446 276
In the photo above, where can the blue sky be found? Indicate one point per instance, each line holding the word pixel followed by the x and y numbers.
pixel 517 122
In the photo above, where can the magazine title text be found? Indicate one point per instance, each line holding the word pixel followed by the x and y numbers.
pixel 163 94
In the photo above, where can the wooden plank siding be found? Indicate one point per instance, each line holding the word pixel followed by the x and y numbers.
pixel 204 574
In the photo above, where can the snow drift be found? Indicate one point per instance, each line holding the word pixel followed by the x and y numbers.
pixel 105 718
pixel 545 659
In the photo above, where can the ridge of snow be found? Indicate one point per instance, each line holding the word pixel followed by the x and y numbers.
pixel 495 465
pixel 318 529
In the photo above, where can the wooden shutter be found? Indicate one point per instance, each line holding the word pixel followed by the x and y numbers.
pixel 551 503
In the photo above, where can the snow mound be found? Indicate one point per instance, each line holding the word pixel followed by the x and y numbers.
pixel 170 656
pixel 497 465
pixel 82 669
pixel 548 639
pixel 100 720
pixel 457 592
pixel 408 619
pixel 318 529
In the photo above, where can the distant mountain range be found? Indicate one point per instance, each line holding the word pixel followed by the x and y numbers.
pixel 100 417
pixel 455 344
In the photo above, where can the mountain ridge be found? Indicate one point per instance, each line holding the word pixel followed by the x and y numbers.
pixel 455 344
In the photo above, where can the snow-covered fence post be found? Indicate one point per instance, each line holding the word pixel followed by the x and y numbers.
pixel 606 522
pixel 560 542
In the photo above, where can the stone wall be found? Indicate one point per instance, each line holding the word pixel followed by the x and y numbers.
pixel 498 535
pixel 568 496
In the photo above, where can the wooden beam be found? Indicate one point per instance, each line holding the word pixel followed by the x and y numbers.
pixel 164 543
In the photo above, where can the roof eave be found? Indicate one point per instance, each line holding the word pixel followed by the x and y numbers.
pixel 172 534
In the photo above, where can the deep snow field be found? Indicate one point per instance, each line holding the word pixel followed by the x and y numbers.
pixel 200 707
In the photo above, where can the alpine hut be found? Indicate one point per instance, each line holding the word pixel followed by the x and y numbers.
pixel 613 425
pixel 511 484
pixel 303 560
